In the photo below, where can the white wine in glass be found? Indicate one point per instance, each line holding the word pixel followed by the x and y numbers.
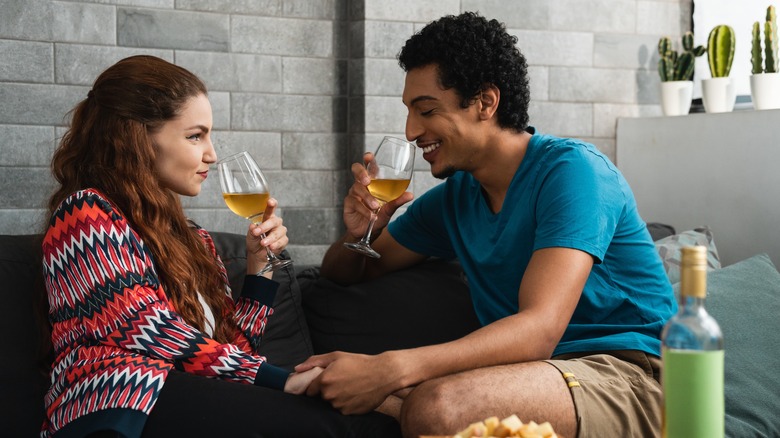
pixel 246 193
pixel 385 190
pixel 245 204
pixel 391 171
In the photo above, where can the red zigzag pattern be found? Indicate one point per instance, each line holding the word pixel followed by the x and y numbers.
pixel 114 331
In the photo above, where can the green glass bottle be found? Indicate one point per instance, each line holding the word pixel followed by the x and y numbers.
pixel 693 358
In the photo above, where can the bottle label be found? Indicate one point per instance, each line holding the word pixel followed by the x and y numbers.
pixel 694 405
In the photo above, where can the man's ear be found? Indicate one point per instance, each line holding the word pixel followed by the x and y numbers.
pixel 488 98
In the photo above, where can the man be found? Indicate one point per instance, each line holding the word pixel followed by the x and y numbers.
pixel 559 263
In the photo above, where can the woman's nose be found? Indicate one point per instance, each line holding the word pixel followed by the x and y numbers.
pixel 210 154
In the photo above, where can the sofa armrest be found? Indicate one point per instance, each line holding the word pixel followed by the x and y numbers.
pixel 23 380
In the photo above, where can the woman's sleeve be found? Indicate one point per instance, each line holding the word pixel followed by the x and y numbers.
pixel 104 290
pixel 252 307
pixel 251 312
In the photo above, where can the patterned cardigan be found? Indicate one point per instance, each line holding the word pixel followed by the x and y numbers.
pixel 116 335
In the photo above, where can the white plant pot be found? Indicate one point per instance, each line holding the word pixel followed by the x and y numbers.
pixel 719 95
pixel 676 97
pixel 765 90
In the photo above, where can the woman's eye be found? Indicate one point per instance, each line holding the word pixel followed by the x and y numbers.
pixel 194 137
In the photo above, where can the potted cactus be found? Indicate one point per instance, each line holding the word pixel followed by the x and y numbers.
pixel 718 92
pixel 765 81
pixel 676 73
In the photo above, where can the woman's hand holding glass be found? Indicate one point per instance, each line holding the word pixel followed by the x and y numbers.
pixel 247 193
pixel 275 239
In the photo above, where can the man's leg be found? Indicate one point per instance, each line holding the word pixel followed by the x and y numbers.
pixel 534 391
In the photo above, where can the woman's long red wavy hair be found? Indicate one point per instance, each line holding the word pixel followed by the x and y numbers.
pixel 108 147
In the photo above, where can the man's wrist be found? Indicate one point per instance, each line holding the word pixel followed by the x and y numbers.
pixel 399 363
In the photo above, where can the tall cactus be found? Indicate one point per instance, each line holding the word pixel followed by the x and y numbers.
pixel 674 66
pixel 770 40
pixel 720 50
pixel 756 58
pixel 770 45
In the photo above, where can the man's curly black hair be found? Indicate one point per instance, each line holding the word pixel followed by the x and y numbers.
pixel 472 52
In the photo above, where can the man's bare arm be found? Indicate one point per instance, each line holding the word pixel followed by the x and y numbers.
pixel 548 295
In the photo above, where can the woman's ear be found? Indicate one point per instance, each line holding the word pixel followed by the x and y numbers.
pixel 489 97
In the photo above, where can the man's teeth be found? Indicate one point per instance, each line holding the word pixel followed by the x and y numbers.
pixel 431 148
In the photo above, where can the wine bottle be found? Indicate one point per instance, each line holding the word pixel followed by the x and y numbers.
pixel 693 358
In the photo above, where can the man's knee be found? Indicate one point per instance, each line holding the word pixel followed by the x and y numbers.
pixel 431 409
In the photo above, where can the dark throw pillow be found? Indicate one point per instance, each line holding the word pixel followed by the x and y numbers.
pixel 658 230
pixel 423 305
pixel 286 342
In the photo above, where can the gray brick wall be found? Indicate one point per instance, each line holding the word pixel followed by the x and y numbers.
pixel 306 85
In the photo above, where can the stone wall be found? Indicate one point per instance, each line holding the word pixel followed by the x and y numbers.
pixel 306 85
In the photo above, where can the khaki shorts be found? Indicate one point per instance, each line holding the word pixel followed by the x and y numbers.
pixel 616 394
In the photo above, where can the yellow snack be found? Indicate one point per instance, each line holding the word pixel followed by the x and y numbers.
pixel 510 426
pixel 545 429
pixel 477 429
pixel 491 424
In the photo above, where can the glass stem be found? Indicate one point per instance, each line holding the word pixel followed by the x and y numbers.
pixel 367 237
pixel 268 253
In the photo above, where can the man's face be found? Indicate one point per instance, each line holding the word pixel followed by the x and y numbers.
pixel 444 131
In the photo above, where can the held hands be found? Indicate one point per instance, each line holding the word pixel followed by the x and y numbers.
pixel 359 203
pixel 299 381
pixel 352 383
pixel 275 238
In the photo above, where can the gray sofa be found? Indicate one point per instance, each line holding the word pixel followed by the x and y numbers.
pixel 296 330
pixel 314 315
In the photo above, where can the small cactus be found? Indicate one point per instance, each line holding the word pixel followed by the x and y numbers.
pixel 674 66
pixel 684 68
pixel 720 50
pixel 687 41
pixel 665 62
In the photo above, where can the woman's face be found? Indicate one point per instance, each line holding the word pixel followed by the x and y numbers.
pixel 184 149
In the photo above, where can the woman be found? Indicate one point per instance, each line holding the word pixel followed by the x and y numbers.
pixel 138 300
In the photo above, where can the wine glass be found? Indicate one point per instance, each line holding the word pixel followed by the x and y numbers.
pixel 246 193
pixel 390 170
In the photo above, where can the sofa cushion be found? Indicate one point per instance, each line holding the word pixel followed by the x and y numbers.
pixel 669 250
pixel 22 383
pixel 286 341
pixel 425 304
pixel 744 298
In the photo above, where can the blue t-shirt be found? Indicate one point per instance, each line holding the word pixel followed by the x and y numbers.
pixel 565 193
